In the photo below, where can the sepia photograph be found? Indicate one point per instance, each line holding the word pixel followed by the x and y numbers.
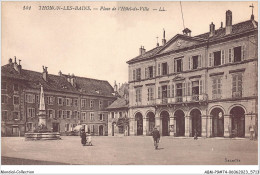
pixel 129 83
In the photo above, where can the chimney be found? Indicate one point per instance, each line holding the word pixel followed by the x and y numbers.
pixel 163 40
pixel 221 25
pixel 72 80
pixel 115 87
pixel 228 22
pixel 211 29
pixel 17 67
pixel 10 61
pixel 45 73
pixel 141 50
pixel 60 73
pixel 186 32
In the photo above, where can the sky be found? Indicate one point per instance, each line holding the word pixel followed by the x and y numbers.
pixel 97 43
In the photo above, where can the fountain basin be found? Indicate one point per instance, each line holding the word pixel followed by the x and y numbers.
pixel 43 136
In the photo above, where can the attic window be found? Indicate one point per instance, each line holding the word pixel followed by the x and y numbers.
pixel 97 91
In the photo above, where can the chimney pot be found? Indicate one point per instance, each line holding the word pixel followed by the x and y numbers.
pixel 211 29
pixel 15 59
pixel 10 60
pixel 45 73
pixel 60 73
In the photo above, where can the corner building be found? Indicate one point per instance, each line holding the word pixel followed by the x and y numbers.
pixel 205 83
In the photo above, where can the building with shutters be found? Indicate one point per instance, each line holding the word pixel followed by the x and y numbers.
pixel 70 100
pixel 205 83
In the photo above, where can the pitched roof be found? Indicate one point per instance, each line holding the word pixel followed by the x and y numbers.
pixel 238 28
pixel 33 80
pixel 118 103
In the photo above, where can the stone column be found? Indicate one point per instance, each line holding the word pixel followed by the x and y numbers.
pixel 250 119
pixel 109 125
pixel 209 126
pixel 145 126
pixel 157 123
pixel 172 129
pixel 203 126
pixel 187 126
pixel 227 125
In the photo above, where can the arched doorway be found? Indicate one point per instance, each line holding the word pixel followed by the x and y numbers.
pixel 139 123
pixel 180 123
pixel 237 121
pixel 165 117
pixel 100 130
pixel 151 121
pixel 217 122
pixel 196 121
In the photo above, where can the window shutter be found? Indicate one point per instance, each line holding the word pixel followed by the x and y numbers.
pixel 183 89
pixel 222 57
pixel 200 87
pixel 210 59
pixel 190 63
pixel 146 75
pixel 175 65
pixel 173 91
pixel 133 75
pixel 199 61
pixel 154 71
pixel 232 55
pixel 159 92
pixel 168 69
pixel 219 86
pixel 33 97
pixel 26 97
pixel 53 114
pixel 188 88
pixel 181 65
pixel 148 89
pixel 168 91
pixel 243 52
pixel 159 69
pixel 239 83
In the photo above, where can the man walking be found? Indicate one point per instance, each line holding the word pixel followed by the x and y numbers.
pixel 156 137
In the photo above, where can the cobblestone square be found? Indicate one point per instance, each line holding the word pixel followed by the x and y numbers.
pixel 136 150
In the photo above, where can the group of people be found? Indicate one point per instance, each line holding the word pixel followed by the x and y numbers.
pixel 85 138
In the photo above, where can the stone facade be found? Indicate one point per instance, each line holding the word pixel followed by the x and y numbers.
pixel 205 84
pixel 70 101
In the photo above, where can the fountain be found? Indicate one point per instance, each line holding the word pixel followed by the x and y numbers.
pixel 41 132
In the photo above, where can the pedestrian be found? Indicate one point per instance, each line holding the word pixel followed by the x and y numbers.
pixel 195 134
pixel 83 137
pixel 252 132
pixel 156 137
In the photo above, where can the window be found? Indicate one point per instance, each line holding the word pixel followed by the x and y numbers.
pixel 64 114
pixel 173 91
pixel 150 93
pixel 217 58
pixel 29 126
pixel 195 62
pixel 67 127
pixel 216 88
pixel 30 98
pixel 4 99
pixel 16 100
pixel 229 55
pixel 60 113
pixel 178 65
pixel 100 104
pixel 164 69
pixel 4 85
pixel 101 117
pixel 92 128
pixel 4 115
pixel 91 116
pixel 138 95
pixel 50 100
pixel 150 71
pixel 37 99
pixel 69 114
pixel 164 91
pixel 84 116
pixel 30 112
pixel 75 102
pixel 16 115
pixel 138 74
pixel 83 102
pixel 60 101
pixel 120 114
pixel 68 102
pixel 112 115
pixel 50 113
pixel 237 85
pixel 91 103
pixel 78 115
pixel 16 88
pixel 237 54
pixel 134 75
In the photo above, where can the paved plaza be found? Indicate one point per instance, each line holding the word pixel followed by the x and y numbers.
pixel 132 150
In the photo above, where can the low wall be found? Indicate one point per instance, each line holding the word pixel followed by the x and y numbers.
pixel 42 136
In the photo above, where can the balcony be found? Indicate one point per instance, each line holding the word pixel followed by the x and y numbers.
pixel 179 99
pixel 195 97
pixel 164 100
pixel 216 96
pixel 237 94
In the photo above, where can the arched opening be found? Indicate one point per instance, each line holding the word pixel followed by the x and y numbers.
pixel 238 121
pixel 101 129
pixel 180 123
pixel 151 121
pixel 165 117
pixel 139 123
pixel 196 121
pixel 217 122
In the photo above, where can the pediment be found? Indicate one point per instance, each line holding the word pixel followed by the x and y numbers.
pixel 179 42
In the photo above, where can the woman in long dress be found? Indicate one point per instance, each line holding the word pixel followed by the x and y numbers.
pixel 83 137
